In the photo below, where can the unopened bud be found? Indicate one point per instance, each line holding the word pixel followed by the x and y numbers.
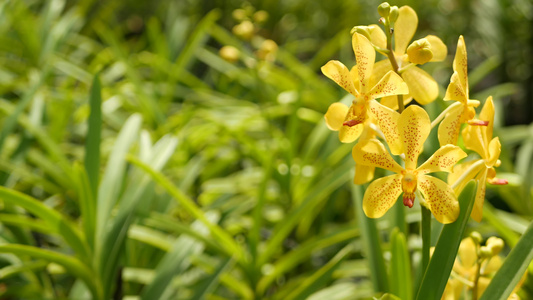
pixel 419 52
pixel 260 16
pixel 393 14
pixel 495 245
pixel 268 50
pixel 485 252
pixel 362 30
pixel 244 30
pixel 239 14
pixel 229 53
pixel 476 236
pixel 384 9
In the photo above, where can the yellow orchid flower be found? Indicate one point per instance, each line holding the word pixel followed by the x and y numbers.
pixel 422 87
pixel 349 121
pixel 466 266
pixel 413 127
pixel 479 139
pixel 463 111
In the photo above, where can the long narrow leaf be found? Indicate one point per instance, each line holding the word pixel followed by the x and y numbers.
pixel 401 282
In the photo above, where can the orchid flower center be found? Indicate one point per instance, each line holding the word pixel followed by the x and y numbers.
pixel 409 184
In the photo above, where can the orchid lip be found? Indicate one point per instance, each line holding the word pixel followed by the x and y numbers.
pixel 478 122
pixel 351 123
pixel 498 181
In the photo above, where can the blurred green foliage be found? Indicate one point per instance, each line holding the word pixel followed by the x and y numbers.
pixel 240 146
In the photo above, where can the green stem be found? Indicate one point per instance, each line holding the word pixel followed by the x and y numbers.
pixel 475 295
pixel 393 62
pixel 426 237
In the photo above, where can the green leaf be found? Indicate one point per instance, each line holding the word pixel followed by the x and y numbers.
pixel 441 263
pixel 92 144
pixel 71 264
pixel 513 268
pixel 372 244
pixel 320 277
pixel 401 283
pixel 210 284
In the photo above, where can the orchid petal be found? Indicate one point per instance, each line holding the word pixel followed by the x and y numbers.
pixel 377 36
pixel 365 56
pixel 495 148
pixel 348 134
pixel 381 195
pixel 456 91
pixel 474 140
pixel 414 127
pixel 460 64
pixel 355 78
pixel 392 101
pixel 381 68
pixel 373 153
pixel 487 114
pixel 459 170
pixel 387 120
pixel 404 29
pixel 448 132
pixel 363 174
pixel 390 84
pixel 335 115
pixel 467 253
pixel 442 160
pixel 438 48
pixel 440 198
pixel 422 87
pixel 338 72
pixel 477 210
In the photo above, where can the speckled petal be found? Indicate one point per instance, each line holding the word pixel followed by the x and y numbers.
pixel 404 29
pixel 422 87
pixel 456 91
pixel 387 120
pixel 355 78
pixel 448 132
pixel 363 174
pixel 477 210
pixel 381 195
pixel 438 48
pixel 380 69
pixel 390 84
pixel 365 55
pixel 335 115
pixel 350 134
pixel 460 64
pixel 414 127
pixel 338 72
pixel 377 36
pixel 474 140
pixel 373 153
pixel 392 101
pixel 440 198
pixel 442 160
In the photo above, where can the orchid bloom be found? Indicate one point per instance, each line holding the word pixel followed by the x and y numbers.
pixel 479 139
pixel 464 111
pixel 413 127
pixel 349 121
pixel 422 87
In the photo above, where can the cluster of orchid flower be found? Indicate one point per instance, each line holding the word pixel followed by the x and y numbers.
pixel 397 80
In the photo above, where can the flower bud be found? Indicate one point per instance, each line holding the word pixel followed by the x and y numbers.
pixel 495 245
pixel 476 236
pixel 260 16
pixel 244 30
pixel 419 52
pixel 362 30
pixel 393 14
pixel 384 9
pixel 268 50
pixel 485 252
pixel 239 14
pixel 229 53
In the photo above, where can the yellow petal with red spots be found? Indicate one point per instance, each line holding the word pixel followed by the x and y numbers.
pixel 381 68
pixel 355 78
pixel 422 87
pixel 438 48
pixel 354 119
pixel 414 127
pixel 442 160
pixel 381 195
pixel 460 64
pixel 477 210
pixel 392 101
pixel 456 91
pixel 338 72
pixel 363 174
pixel 495 148
pixel 387 120
pixel 448 132
pixel 390 84
pixel 377 36
pixel 335 115
pixel 474 140
pixel 440 198
pixel 404 29
pixel 365 56
pixel 348 134
pixel 373 153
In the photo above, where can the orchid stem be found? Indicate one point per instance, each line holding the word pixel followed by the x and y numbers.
pixel 394 63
